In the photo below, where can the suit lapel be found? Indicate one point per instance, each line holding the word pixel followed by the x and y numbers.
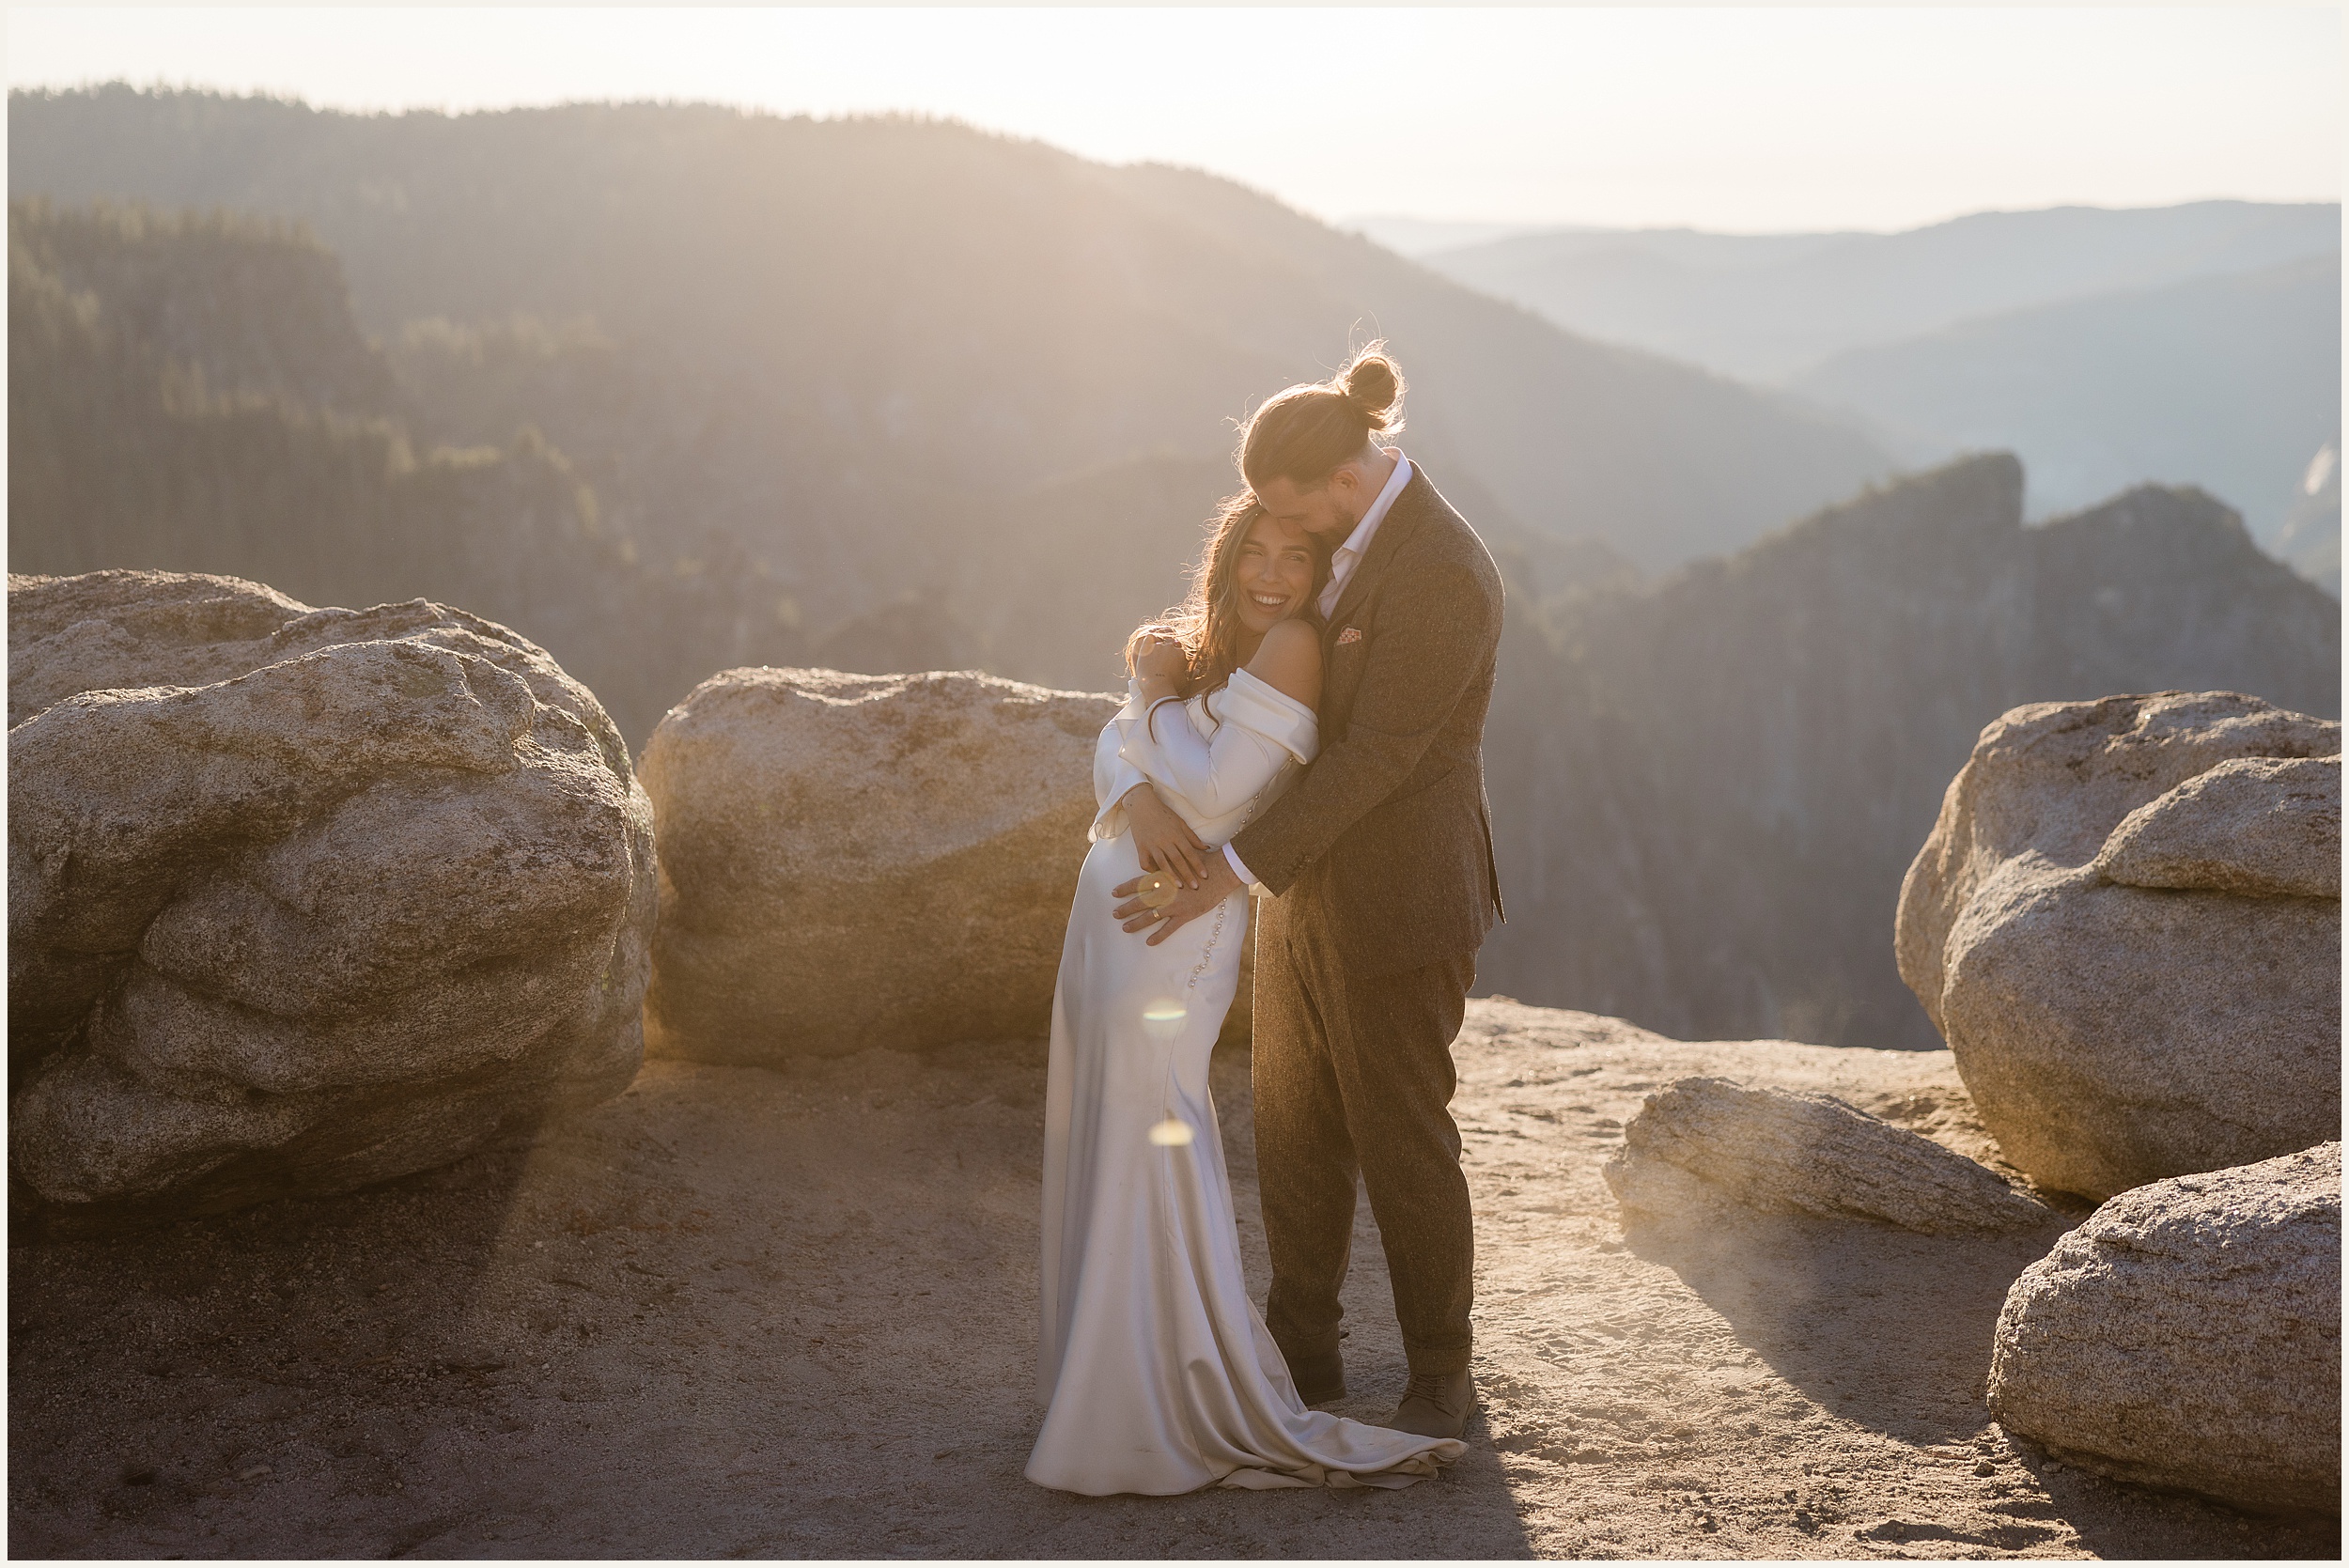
pixel 1401 519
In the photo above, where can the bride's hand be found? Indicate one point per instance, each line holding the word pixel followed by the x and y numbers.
pixel 1161 657
pixel 1162 839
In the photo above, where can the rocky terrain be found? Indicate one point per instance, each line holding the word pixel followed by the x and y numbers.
pixel 1711 1149
pixel 850 861
pixel 790 1313
pixel 299 899
pixel 348 1224
pixel 2188 1334
pixel 2127 926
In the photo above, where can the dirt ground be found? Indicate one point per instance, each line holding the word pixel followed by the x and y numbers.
pixel 748 1312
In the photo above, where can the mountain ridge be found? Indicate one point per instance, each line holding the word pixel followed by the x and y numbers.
pixel 1985 331
pixel 2231 380
pixel 1915 280
pixel 1034 311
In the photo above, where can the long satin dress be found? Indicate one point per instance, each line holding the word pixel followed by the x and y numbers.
pixel 1159 1374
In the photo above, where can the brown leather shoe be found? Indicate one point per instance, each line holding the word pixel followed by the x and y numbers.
pixel 1435 1405
pixel 1319 1379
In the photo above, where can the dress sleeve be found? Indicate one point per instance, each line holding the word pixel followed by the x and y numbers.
pixel 1113 776
pixel 1258 732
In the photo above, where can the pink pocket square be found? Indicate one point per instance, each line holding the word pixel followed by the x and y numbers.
pixel 1351 634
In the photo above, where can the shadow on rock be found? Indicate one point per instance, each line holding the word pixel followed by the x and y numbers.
pixel 1886 1328
pixel 2114 1521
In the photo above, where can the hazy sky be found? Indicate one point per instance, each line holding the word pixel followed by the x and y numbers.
pixel 1752 119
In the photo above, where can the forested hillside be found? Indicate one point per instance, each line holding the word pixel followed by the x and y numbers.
pixel 2310 540
pixel 192 393
pixel 861 348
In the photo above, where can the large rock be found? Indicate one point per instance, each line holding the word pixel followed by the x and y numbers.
pixel 299 899
pixel 2127 926
pixel 1704 1142
pixel 2188 1334
pixel 849 861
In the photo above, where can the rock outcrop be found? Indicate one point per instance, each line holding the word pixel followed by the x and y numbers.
pixel 849 861
pixel 2264 826
pixel 299 899
pixel 2127 926
pixel 2188 1335
pixel 1706 1143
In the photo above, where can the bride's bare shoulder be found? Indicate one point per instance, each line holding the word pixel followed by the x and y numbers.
pixel 1289 661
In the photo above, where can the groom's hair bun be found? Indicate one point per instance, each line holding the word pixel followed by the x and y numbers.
pixel 1373 385
pixel 1303 434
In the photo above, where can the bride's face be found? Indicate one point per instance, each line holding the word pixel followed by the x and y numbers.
pixel 1275 573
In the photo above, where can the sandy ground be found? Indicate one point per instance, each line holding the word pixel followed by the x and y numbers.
pixel 743 1312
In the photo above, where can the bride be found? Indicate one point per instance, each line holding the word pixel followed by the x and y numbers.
pixel 1159 1374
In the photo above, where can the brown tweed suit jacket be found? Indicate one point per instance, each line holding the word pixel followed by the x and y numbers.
pixel 1386 840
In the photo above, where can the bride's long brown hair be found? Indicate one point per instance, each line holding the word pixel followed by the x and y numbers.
pixel 1208 623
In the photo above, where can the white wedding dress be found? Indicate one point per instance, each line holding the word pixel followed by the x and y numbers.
pixel 1159 1374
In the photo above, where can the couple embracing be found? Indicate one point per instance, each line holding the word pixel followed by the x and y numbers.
pixel 1309 725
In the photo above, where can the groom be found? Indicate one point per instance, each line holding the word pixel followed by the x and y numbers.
pixel 1380 865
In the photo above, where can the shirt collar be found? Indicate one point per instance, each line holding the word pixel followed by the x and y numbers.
pixel 1357 542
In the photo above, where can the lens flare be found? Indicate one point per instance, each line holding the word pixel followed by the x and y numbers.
pixel 1171 1134
pixel 1163 1021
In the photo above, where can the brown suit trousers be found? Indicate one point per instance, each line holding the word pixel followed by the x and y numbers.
pixel 1380 864
pixel 1354 1072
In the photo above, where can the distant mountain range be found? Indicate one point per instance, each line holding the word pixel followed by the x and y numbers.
pixel 2231 382
pixel 844 343
pixel 2193 343
pixel 1765 306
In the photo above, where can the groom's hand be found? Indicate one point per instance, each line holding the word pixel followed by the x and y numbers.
pixel 1162 840
pixel 1216 883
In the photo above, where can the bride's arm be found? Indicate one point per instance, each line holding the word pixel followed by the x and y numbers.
pixel 1220 774
pixel 1159 667
pixel 1162 840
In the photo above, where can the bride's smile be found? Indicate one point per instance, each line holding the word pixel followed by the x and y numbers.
pixel 1276 570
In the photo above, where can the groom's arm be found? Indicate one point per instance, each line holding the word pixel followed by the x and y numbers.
pixel 1433 641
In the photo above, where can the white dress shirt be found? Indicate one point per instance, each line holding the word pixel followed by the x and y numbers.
pixel 1350 553
pixel 1342 565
